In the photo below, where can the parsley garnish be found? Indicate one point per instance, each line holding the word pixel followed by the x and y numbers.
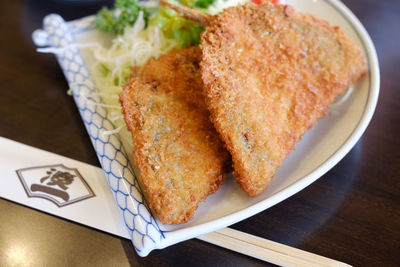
pixel 115 20
pixel 203 3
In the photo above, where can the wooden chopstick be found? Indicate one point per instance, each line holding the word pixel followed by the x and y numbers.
pixel 266 250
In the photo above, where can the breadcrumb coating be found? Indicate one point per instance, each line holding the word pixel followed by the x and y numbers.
pixel 177 151
pixel 270 74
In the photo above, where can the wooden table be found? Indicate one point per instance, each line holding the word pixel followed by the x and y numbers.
pixel 350 214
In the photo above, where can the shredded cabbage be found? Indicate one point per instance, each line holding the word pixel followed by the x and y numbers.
pixel 112 68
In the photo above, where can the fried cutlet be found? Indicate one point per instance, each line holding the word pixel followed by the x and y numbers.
pixel 177 152
pixel 269 74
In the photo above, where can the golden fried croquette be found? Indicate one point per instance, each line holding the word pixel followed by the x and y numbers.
pixel 177 152
pixel 269 74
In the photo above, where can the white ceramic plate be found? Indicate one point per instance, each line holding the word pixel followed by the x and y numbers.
pixel 319 150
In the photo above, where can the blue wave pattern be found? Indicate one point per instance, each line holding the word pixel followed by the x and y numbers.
pixel 142 226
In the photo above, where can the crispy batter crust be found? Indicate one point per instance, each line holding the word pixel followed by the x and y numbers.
pixel 178 153
pixel 269 74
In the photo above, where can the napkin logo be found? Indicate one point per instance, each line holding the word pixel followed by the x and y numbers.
pixel 57 183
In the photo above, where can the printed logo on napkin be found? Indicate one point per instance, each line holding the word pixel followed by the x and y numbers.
pixel 57 183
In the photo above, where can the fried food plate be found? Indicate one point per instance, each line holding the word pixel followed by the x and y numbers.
pixel 319 150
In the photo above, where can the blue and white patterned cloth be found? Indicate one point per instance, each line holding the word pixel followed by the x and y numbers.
pixel 58 35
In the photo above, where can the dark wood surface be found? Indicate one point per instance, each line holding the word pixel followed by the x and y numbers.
pixel 350 214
